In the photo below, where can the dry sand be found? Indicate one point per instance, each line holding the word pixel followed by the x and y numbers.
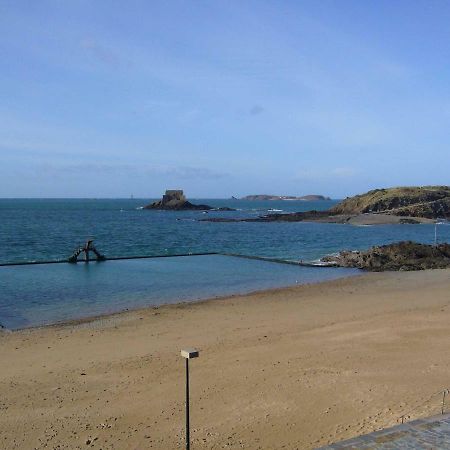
pixel 288 368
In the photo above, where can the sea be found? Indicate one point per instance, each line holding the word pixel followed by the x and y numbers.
pixel 36 230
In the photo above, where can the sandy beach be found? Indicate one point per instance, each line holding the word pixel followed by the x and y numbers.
pixel 289 368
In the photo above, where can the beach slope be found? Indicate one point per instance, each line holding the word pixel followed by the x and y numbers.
pixel 288 368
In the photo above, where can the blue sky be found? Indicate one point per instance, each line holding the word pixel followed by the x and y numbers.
pixel 221 98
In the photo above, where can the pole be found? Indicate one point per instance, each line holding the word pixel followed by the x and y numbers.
pixel 443 401
pixel 188 444
pixel 188 353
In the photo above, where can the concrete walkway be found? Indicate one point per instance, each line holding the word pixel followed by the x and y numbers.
pixel 431 433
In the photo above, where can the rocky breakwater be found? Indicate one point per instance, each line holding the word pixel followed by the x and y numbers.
pixel 398 256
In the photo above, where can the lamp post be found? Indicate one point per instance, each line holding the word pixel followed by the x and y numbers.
pixel 188 354
pixel 438 222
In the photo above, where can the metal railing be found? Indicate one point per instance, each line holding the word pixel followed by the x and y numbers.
pixel 441 395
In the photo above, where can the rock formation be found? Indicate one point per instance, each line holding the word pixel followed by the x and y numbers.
pixel 399 256
pixel 427 201
pixel 175 200
pixel 404 205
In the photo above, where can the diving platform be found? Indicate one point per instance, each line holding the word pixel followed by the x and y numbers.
pixel 85 250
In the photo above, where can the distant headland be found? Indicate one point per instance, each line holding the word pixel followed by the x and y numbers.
pixel 305 198
pixel 429 202
pixel 398 205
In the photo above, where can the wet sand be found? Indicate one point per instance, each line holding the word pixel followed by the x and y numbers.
pixel 288 368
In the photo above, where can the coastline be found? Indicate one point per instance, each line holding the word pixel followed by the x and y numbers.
pixel 299 366
pixel 107 287
pixel 366 219
pixel 181 304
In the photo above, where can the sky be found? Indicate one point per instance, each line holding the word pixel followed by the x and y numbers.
pixel 221 98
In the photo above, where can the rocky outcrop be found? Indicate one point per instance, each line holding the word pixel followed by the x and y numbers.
pixel 403 205
pixel 427 201
pixel 175 200
pixel 326 217
pixel 292 217
pixel 399 256
pixel 308 198
pixel 312 216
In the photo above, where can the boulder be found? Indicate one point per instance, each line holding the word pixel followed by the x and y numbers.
pixel 405 255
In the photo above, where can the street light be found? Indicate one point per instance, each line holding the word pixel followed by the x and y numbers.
pixel 438 222
pixel 188 354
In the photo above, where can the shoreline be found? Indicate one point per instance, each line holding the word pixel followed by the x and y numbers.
pixel 367 219
pixel 298 367
pixel 197 301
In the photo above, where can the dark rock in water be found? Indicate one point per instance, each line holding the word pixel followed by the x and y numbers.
pixel 175 200
pixel 289 217
pixel 294 217
pixel 399 256
pixel 326 217
pixel 221 219
pixel 408 221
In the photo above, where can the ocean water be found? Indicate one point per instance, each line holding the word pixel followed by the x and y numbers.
pixel 33 230
pixel 38 230
pixel 37 295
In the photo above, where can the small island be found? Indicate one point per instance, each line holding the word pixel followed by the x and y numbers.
pixel 304 198
pixel 175 200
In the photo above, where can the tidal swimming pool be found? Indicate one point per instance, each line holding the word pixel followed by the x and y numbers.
pixel 36 295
